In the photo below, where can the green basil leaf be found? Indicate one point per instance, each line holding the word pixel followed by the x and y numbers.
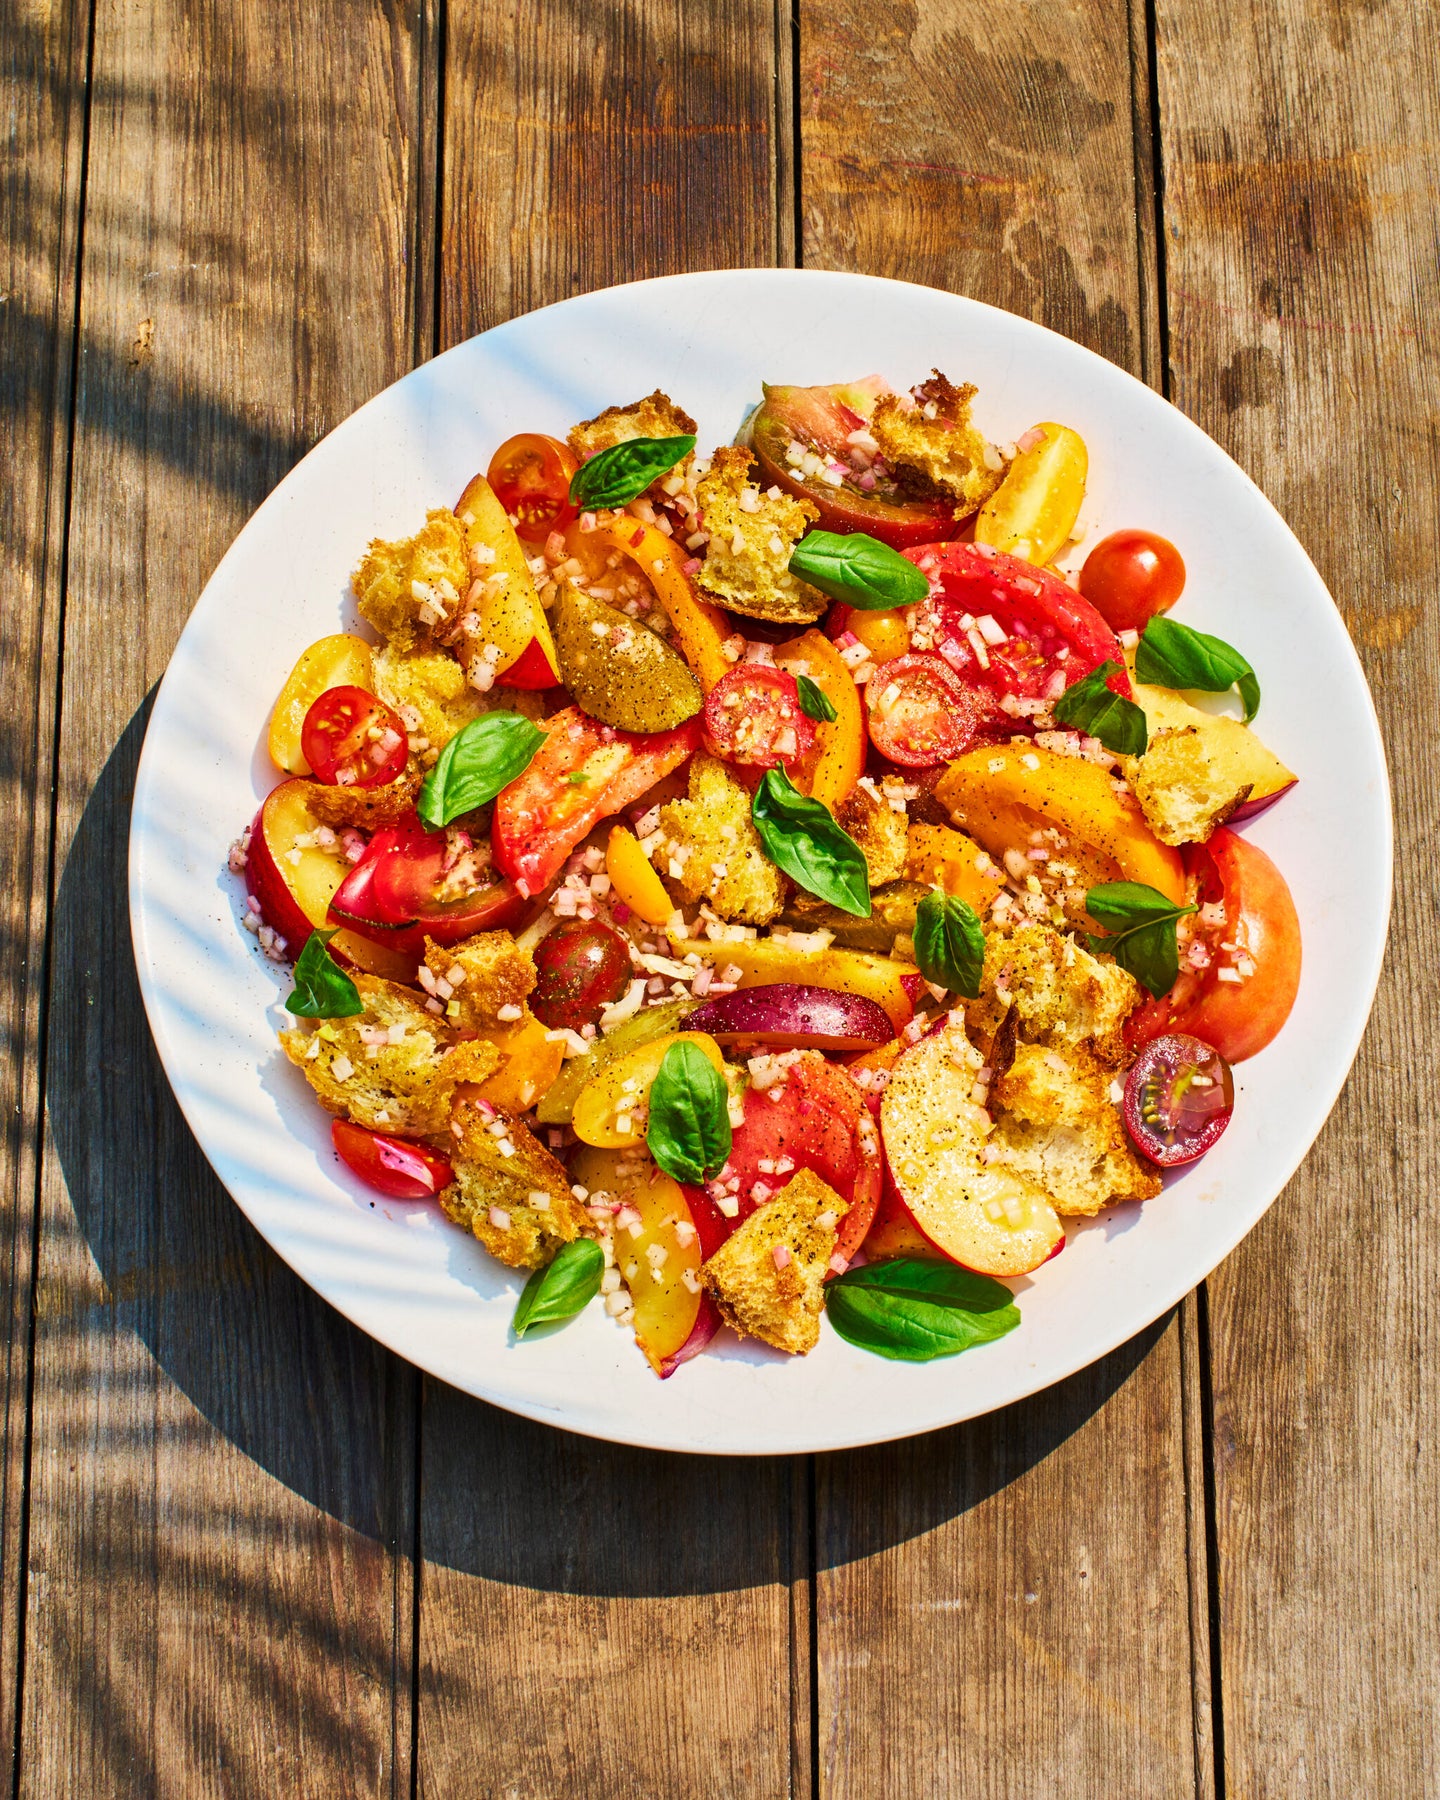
pixel 1173 655
pixel 801 837
pixel 814 701
pixel 622 473
pixel 688 1133
pixel 1091 707
pixel 477 762
pixel 1142 923
pixel 322 988
pixel 913 1309
pixel 950 943
pixel 564 1288
pixel 857 569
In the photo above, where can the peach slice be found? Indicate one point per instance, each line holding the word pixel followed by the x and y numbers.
pixel 1230 748
pixel 762 963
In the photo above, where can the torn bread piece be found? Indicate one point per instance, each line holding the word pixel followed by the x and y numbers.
pixel 367 809
pixel 768 1277
pixel 1186 785
pixel 753 533
pixel 483 981
pixel 656 416
pixel 1062 995
pixel 874 815
pixel 509 1191
pixel 928 432
pixel 427 687
pixel 710 848
pixel 406 587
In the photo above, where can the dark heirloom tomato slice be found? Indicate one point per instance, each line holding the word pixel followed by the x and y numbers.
pixel 1013 627
pixel 1178 1099
pixel 531 478
pixel 390 1165
pixel 352 739
pixel 583 966
pixel 1130 576
pixel 921 712
pixel 753 716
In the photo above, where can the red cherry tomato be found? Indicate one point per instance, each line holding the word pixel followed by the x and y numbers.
pixel 583 774
pixel 352 739
pixel 583 966
pixel 412 883
pixel 921 712
pixel 1028 633
pixel 1130 576
pixel 1236 999
pixel 1179 1096
pixel 531 478
pixel 390 1165
pixel 753 716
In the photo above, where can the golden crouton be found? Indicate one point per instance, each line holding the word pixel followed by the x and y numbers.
pixel 1062 994
pixel 494 972
pixel 436 559
pixel 509 1191
pixel 1184 790
pixel 779 1303
pixel 710 848
pixel 427 687
pixel 405 1084
pixel 880 829
pixel 1057 1124
pixel 656 416
pixel 366 808
pixel 936 439
pixel 752 534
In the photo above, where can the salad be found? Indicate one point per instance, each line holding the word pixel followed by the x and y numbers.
pixel 791 880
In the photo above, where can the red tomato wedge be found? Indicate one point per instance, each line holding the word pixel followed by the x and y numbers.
pixel 753 716
pixel 352 739
pixel 585 772
pixel 921 713
pixel 1254 912
pixel 531 478
pixel 411 884
pixel 392 1166
pixel 1012 627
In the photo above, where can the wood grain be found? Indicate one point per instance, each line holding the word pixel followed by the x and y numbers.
pixel 599 1621
pixel 221 1501
pixel 42 76
pixel 1005 1608
pixel 1302 172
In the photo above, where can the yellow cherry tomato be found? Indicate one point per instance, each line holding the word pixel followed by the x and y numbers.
pixel 337 661
pixel 1033 511
pixel 634 881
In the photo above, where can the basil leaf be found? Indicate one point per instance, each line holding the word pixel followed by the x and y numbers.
pixel 564 1288
pixel 814 701
pixel 857 569
pixel 801 837
pixel 1091 707
pixel 1173 655
pixel 688 1133
pixel 322 988
pixel 912 1309
pixel 477 762
pixel 622 473
pixel 1142 921
pixel 950 943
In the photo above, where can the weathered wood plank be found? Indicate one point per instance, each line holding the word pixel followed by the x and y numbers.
pixel 42 79
pixel 1302 170
pixel 222 1480
pixel 600 1621
pixel 1004 1608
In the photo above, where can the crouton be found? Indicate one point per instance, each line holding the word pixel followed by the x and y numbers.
pixel 1063 995
pixel 436 560
pixel 508 1190
pixel 1057 1124
pixel 779 1298
pixel 710 848
pixel 366 808
pixel 404 1085
pixel 936 440
pixel 427 687
pixel 656 416
pixel 1184 789
pixel 495 974
pixel 880 829
pixel 752 535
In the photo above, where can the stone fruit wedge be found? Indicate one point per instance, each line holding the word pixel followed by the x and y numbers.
pixel 978 1214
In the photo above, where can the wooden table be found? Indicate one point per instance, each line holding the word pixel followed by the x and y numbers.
pixel 245 1551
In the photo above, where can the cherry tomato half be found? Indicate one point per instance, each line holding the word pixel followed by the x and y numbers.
pixel 531 478
pixel 391 1165
pixel 352 739
pixel 1178 1099
pixel 1130 576
pixel 921 712
pixel 753 716
pixel 583 967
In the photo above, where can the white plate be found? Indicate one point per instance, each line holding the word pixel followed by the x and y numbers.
pixel 425 1288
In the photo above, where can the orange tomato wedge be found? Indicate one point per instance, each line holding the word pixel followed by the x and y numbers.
pixel 838 759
